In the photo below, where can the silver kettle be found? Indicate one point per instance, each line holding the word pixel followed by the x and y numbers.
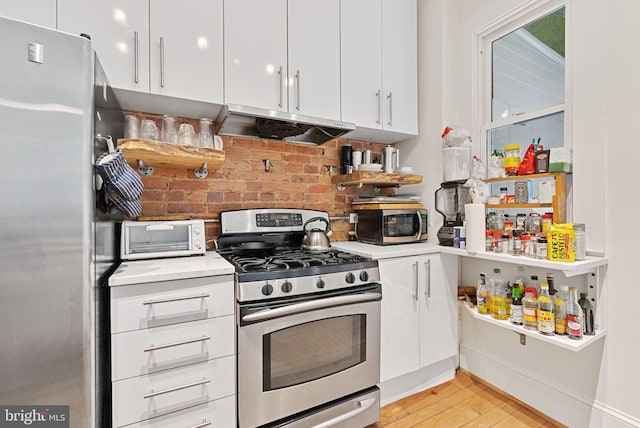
pixel 316 239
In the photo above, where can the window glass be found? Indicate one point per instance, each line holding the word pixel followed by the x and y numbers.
pixel 528 68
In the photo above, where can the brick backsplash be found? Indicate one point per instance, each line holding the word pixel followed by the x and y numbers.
pixel 300 177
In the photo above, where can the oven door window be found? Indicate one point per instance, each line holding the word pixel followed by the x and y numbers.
pixel 159 238
pixel 399 225
pixel 313 350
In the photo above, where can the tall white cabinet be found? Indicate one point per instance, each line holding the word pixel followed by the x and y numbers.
pixel 40 12
pixel 379 64
pixel 283 56
pixel 155 46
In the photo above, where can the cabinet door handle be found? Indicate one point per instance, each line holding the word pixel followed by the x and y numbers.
pixel 176 388
pixel 205 423
pixel 182 342
pixel 175 299
pixel 162 62
pixel 427 269
pixel 298 90
pixel 415 271
pixel 136 42
pixel 280 77
pixel 379 101
pixel 390 98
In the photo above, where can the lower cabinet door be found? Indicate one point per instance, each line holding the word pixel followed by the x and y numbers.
pixel 214 414
pixel 150 396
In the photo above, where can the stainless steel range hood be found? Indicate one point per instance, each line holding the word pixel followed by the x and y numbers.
pixel 254 122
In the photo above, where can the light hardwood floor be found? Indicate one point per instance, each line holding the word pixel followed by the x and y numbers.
pixel 465 401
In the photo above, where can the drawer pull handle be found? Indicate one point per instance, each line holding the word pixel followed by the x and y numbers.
pixel 205 423
pixel 171 345
pixel 176 299
pixel 177 388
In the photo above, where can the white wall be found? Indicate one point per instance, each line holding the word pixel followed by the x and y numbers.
pixel 597 386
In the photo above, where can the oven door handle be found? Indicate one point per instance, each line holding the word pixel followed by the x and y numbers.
pixel 311 306
pixel 363 406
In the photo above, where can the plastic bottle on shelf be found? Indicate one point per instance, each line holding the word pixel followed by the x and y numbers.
pixel 546 321
pixel 560 304
pixel 575 320
pixel 499 301
pixel 516 306
pixel 535 284
pixel 483 295
pixel 530 309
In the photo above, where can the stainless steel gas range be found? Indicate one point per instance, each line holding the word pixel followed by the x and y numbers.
pixel 308 324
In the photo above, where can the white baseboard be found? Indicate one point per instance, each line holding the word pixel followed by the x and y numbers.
pixel 414 382
pixel 570 407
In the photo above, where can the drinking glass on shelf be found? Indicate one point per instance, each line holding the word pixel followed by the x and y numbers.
pixel 169 132
pixel 206 137
pixel 187 135
pixel 131 127
pixel 148 130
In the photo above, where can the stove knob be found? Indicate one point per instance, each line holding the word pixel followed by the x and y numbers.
pixel 267 289
pixel 350 278
pixel 286 287
pixel 320 283
pixel 364 276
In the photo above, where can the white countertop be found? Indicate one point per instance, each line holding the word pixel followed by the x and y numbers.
pixel 414 249
pixel 155 270
pixel 387 251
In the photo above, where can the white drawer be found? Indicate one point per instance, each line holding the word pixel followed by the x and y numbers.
pixel 139 306
pixel 214 414
pixel 140 398
pixel 139 352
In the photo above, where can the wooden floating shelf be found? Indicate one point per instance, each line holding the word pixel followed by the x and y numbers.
pixel 376 178
pixel 526 177
pixel 507 206
pixel 158 153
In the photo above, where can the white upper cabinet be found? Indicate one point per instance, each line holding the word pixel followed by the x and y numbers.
pixel 255 52
pixel 186 49
pixel 314 58
pixel 284 59
pixel 40 12
pixel 119 30
pixel 361 50
pixel 156 46
pixel 379 64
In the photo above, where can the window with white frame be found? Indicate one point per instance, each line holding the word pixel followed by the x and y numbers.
pixel 523 77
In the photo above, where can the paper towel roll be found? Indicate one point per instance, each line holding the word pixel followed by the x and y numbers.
pixel 474 216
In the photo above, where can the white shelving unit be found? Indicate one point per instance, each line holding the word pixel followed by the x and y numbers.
pixel 561 341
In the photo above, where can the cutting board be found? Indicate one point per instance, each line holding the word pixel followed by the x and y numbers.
pixel 386 206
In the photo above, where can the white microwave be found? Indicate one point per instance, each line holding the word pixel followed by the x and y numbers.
pixel 156 239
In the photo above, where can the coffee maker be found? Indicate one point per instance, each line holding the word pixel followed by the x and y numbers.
pixel 450 199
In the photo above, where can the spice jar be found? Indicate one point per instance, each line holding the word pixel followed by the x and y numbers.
pixel 503 195
pixel 511 159
pixel 541 249
pixel 534 225
pixel 546 221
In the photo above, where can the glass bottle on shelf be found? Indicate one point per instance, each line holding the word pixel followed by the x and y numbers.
pixel 516 306
pixel 530 309
pixel 546 322
pixel 560 303
pixel 574 316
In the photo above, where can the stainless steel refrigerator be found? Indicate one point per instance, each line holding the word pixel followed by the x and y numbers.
pixel 57 242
